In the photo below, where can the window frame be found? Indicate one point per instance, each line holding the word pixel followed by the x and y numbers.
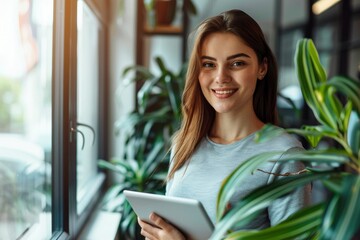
pixel 63 38
pixel 66 223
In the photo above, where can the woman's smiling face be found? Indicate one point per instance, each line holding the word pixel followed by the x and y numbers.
pixel 229 72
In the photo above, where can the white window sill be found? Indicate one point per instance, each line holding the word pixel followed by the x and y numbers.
pixel 101 225
pixel 41 229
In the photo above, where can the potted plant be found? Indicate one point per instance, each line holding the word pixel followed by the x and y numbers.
pixel 162 12
pixel 338 217
pixel 148 129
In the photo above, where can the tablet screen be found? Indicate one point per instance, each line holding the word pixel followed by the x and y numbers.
pixel 188 215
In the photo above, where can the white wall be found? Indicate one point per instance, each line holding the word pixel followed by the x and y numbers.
pixel 262 11
pixel 122 54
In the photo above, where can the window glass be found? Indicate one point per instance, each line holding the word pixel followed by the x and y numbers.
pixel 25 118
pixel 287 73
pixel 87 105
pixel 355 33
pixel 325 38
pixel 354 69
pixel 288 82
pixel 356 4
pixel 354 61
pixel 294 12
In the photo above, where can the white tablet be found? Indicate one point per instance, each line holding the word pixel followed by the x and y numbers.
pixel 188 215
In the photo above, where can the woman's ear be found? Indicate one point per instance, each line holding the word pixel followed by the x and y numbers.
pixel 263 69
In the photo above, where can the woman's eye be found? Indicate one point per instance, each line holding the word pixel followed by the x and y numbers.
pixel 208 65
pixel 237 64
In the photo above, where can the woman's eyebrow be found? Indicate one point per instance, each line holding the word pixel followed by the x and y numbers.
pixel 238 55
pixel 228 58
pixel 208 58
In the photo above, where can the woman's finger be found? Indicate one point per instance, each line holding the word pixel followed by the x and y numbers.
pixel 148 230
pixel 160 222
pixel 159 229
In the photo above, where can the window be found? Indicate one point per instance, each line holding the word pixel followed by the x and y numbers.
pixel 52 87
pixel 25 118
pixel 292 19
pixel 288 82
pixel 356 4
pixel 354 56
pixel 326 38
pixel 88 101
pixel 79 93
pixel 334 32
pixel 293 12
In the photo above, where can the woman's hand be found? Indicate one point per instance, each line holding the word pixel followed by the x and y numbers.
pixel 159 229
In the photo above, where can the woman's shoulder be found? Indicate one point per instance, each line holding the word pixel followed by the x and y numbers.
pixel 283 142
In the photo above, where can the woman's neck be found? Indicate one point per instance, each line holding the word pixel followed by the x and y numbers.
pixel 227 129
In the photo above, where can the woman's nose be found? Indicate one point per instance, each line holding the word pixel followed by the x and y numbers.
pixel 222 76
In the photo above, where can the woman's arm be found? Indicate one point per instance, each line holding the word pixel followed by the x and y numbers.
pixel 283 207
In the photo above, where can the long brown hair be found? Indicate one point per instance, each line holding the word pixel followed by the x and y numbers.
pixel 197 113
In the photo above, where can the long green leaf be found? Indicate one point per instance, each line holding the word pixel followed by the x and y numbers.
pixel 115 204
pixel 116 168
pixel 175 105
pixel 232 182
pixel 144 93
pixel 191 8
pixel 267 132
pixel 314 134
pixel 146 136
pixel 289 101
pixel 347 218
pixel 334 183
pixel 311 75
pixel 123 163
pixel 133 163
pixel 244 211
pixel 319 77
pixel 345 118
pixel 349 87
pixel 161 65
pixel 141 73
pixel 112 192
pixel 306 220
pixel 319 71
pixel 303 73
pixel 353 134
pixel 329 218
pixel 158 116
pixel 332 103
pixel 153 156
pixel 127 122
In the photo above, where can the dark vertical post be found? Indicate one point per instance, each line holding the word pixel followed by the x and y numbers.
pixel 278 20
pixel 344 31
pixel 141 16
pixel 307 114
pixel 309 27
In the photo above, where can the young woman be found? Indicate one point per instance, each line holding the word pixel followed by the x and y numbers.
pixel 230 93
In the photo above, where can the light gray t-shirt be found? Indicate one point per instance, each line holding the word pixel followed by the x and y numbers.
pixel 211 162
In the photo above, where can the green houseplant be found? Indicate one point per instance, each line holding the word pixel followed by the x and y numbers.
pixel 148 130
pixel 162 12
pixel 337 217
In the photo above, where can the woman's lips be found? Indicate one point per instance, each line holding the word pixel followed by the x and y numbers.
pixel 223 93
